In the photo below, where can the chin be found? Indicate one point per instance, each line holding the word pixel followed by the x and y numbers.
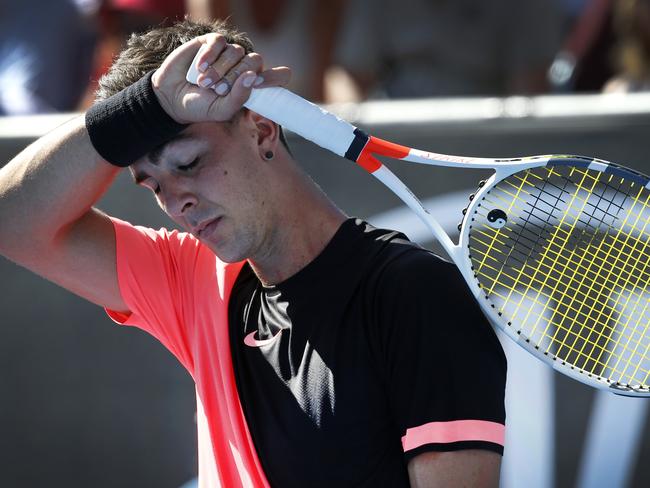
pixel 226 253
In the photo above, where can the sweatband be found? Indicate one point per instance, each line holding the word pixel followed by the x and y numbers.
pixel 129 124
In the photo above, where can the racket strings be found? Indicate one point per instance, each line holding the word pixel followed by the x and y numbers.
pixel 569 268
pixel 564 343
pixel 570 261
pixel 542 306
pixel 538 208
pixel 566 336
pixel 571 342
pixel 537 281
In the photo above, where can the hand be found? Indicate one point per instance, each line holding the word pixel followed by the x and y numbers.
pixel 227 77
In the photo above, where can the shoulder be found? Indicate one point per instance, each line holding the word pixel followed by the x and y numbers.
pixel 136 238
pixel 415 295
pixel 415 282
pixel 405 280
pixel 140 249
pixel 411 268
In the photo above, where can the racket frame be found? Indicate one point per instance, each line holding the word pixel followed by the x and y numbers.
pixel 461 258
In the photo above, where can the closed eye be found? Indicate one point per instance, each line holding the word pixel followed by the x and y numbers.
pixel 189 166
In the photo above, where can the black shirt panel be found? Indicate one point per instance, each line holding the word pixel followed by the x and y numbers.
pixel 327 381
pixel 444 361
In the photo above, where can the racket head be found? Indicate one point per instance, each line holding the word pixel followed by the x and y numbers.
pixel 556 252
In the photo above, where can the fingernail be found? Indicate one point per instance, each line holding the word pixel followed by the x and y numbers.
pixel 221 88
pixel 258 81
pixel 249 80
pixel 206 82
pixel 203 66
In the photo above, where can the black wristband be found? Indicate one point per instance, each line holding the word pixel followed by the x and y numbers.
pixel 128 125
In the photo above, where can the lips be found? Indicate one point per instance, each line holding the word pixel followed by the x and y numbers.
pixel 206 227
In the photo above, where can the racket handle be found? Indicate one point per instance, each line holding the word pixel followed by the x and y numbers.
pixel 303 118
pixel 295 113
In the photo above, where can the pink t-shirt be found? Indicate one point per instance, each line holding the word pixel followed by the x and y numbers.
pixel 178 290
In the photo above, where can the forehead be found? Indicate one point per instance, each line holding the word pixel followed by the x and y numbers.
pixel 195 140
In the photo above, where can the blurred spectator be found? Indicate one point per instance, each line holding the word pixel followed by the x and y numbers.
pixel 632 28
pixel 573 8
pixel 420 48
pixel 300 34
pixel 584 62
pixel 118 19
pixel 129 16
pixel 46 51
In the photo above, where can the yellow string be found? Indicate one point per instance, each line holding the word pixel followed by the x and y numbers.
pixel 603 286
pixel 554 251
pixel 644 206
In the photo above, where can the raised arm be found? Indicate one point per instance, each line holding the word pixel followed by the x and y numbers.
pixel 47 222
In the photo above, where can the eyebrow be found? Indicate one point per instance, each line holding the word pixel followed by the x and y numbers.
pixel 156 153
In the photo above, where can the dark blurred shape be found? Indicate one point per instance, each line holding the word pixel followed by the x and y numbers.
pixel 584 62
pixel 428 48
pixel 130 16
pixel 118 19
pixel 632 28
pixel 300 34
pixel 46 52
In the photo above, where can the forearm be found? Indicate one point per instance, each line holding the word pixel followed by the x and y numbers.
pixel 48 187
pixel 472 467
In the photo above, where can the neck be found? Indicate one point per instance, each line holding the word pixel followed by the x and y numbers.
pixel 305 224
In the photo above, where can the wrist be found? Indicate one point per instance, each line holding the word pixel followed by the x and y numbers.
pixel 164 103
pixel 129 124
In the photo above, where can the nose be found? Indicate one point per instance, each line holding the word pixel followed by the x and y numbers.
pixel 178 203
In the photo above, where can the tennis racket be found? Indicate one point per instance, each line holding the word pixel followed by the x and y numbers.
pixel 555 248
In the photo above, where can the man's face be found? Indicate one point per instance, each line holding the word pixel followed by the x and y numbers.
pixel 210 180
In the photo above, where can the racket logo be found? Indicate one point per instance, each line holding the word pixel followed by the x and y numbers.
pixel 497 218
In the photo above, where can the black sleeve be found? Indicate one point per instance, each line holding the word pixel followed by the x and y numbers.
pixel 444 368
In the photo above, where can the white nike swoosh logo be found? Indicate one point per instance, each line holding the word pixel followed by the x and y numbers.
pixel 250 340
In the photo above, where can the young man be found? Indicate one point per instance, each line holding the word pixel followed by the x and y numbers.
pixel 322 349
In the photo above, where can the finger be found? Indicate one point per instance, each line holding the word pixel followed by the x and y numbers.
pixel 213 46
pixel 251 62
pixel 181 58
pixel 241 90
pixel 279 76
pixel 230 57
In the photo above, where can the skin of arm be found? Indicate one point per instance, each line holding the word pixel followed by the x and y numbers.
pixel 48 223
pixel 470 468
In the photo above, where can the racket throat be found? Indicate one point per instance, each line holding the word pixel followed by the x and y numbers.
pixel 388 178
pixel 363 149
pixel 360 152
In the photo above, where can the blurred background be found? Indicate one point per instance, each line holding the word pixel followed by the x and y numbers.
pixel 86 403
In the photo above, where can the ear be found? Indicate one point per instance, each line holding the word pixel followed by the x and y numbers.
pixel 266 132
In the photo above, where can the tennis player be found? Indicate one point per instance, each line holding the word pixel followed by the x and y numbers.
pixel 325 352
